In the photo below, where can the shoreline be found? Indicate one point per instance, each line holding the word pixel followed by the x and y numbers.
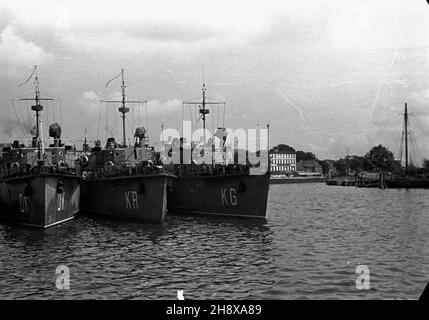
pixel 298 180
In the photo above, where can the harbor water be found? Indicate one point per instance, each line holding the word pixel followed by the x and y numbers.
pixel 308 248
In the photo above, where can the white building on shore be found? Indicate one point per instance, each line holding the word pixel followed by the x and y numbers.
pixel 282 163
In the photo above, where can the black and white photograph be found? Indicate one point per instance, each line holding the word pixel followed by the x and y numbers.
pixel 226 150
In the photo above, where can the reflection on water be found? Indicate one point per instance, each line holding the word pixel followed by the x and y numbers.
pixel 309 247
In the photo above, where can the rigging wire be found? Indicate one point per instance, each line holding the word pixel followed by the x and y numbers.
pixel 401 145
pixel 99 120
pixel 22 115
pixel 412 149
pixel 47 121
pixel 28 79
pixel 130 126
pixel 190 118
pixel 28 119
pixel 61 112
pixel 140 112
pixel 183 112
pixel 132 123
pixel 400 138
pixel 46 109
pixel 417 150
pixel 19 121
pixel 223 121
pixel 53 110
pixel 147 124
pixel 415 146
pixel 107 119
pixel 115 123
pixel 217 121
pixel 419 126
pixel 213 123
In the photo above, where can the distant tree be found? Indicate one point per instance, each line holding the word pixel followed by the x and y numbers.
pixel 284 148
pixel 412 169
pixel 340 166
pixel 325 166
pixel 302 155
pixel 426 164
pixel 397 167
pixel 357 164
pixel 380 158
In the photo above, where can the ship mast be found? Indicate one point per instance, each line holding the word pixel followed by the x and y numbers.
pixel 123 109
pixel 37 107
pixel 406 137
pixel 203 109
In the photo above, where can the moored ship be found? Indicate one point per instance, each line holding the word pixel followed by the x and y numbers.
pixel 407 179
pixel 123 181
pixel 39 186
pixel 216 186
pixel 229 193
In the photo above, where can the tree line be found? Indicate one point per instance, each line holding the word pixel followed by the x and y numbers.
pixel 378 158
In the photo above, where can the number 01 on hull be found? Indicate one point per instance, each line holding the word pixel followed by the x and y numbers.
pixel 40 200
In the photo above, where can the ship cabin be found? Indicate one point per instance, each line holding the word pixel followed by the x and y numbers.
pixel 215 157
pixel 114 157
pixel 17 159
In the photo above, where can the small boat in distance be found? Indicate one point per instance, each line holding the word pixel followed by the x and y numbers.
pixel 39 185
pixel 123 181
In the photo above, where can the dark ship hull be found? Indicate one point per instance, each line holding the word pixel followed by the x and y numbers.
pixel 137 197
pixel 408 182
pixel 40 200
pixel 297 180
pixel 228 195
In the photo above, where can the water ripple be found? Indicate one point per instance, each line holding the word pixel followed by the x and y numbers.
pixel 309 247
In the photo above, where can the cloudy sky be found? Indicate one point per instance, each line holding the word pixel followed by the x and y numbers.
pixel 329 76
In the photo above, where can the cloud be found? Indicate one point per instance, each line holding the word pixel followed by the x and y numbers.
pixel 349 26
pixel 169 106
pixel 355 143
pixel 117 42
pixel 176 42
pixel 16 51
pixel 421 96
pixel 326 55
pixel 236 14
pixel 181 28
pixel 90 100
pixel 90 95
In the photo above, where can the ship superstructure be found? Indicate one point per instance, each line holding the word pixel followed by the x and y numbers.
pixel 39 185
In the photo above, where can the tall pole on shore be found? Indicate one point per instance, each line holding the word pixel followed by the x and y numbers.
pixel 268 148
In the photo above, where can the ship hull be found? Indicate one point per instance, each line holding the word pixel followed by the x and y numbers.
pixel 137 197
pixel 227 195
pixel 41 200
pixel 408 183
